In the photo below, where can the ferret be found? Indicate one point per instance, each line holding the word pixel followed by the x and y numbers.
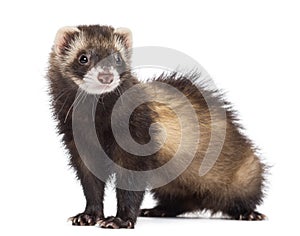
pixel 92 65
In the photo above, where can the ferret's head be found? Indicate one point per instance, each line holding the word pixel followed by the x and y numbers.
pixel 92 57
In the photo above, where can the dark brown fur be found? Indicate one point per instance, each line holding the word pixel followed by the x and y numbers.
pixel 233 186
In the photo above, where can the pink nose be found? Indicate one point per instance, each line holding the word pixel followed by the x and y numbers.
pixel 105 78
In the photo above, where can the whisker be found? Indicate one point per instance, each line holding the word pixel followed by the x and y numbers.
pixel 63 92
pixel 75 100
pixel 94 108
pixel 63 105
pixel 86 95
pixel 120 95
pixel 102 97
pixel 80 100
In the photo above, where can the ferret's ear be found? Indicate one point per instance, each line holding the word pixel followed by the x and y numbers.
pixel 127 35
pixel 62 38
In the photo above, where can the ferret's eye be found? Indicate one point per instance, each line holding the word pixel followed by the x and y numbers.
pixel 118 59
pixel 83 59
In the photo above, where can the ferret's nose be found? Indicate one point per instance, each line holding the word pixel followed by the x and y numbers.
pixel 105 77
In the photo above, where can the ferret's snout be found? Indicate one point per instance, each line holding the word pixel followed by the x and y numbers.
pixel 105 77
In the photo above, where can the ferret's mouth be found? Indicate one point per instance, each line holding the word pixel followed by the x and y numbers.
pixel 94 87
pixel 100 81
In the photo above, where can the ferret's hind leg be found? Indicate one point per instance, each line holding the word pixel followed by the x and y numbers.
pixel 158 211
pixel 254 215
pixel 246 191
pixel 243 208
pixel 171 208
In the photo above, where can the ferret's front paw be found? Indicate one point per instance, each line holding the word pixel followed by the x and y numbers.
pixel 84 219
pixel 113 222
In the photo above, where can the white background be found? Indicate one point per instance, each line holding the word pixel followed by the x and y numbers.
pixel 250 48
